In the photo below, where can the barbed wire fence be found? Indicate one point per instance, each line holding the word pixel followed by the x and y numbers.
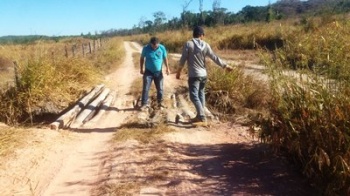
pixel 85 49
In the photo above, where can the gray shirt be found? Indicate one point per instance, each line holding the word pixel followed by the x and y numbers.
pixel 195 51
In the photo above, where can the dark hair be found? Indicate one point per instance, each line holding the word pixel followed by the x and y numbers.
pixel 198 31
pixel 154 40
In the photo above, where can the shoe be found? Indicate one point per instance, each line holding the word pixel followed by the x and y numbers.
pixel 144 107
pixel 197 119
pixel 177 118
pixel 161 105
pixel 201 124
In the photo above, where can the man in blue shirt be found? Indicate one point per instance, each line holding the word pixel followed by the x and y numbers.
pixel 154 53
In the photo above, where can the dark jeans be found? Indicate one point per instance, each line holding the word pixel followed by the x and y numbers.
pixel 196 87
pixel 148 77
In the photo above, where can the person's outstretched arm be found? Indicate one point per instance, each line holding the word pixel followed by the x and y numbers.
pixel 217 59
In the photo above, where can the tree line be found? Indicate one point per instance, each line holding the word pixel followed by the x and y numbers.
pixel 282 9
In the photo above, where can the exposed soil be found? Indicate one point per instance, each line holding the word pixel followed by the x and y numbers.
pixel 223 159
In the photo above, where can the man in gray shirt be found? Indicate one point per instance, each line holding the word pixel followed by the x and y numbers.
pixel 194 52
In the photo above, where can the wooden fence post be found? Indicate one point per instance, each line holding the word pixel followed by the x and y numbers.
pixel 65 48
pixel 16 73
pixel 82 47
pixel 53 57
pixel 73 50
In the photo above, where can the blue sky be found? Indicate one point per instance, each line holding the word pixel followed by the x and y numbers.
pixel 73 17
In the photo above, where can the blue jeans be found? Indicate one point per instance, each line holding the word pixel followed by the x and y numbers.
pixel 196 87
pixel 148 77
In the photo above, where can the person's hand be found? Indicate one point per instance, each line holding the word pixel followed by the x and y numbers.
pixel 141 72
pixel 178 75
pixel 167 70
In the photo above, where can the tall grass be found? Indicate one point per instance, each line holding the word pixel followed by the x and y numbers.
pixel 230 92
pixel 309 112
pixel 241 36
pixel 111 56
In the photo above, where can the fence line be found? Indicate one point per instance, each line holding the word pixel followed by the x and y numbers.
pixel 69 51
pixel 86 48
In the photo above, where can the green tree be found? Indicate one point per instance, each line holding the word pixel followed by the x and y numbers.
pixel 159 18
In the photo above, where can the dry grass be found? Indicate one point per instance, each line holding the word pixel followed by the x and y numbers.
pixel 308 116
pixel 239 55
pixel 47 77
pixel 11 139
pixel 7 73
pixel 143 163
pixel 136 87
pixel 136 60
pixel 144 169
pixel 125 189
pixel 230 92
pixel 134 47
pixel 241 36
pixel 111 57
pixel 141 132
pixel 7 78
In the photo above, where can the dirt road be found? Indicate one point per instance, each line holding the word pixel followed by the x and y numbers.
pixel 220 160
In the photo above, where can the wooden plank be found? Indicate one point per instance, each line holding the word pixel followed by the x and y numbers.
pixel 89 111
pixel 104 107
pixel 67 117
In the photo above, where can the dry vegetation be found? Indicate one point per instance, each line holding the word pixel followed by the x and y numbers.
pixel 141 137
pixel 309 114
pixel 48 82
pixel 308 120
pixel 11 139
pixel 140 132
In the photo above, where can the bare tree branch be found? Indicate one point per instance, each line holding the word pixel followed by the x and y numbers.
pixel 185 5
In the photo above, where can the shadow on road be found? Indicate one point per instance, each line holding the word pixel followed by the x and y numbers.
pixel 223 169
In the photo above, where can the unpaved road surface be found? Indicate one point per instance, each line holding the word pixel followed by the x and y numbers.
pixel 223 159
